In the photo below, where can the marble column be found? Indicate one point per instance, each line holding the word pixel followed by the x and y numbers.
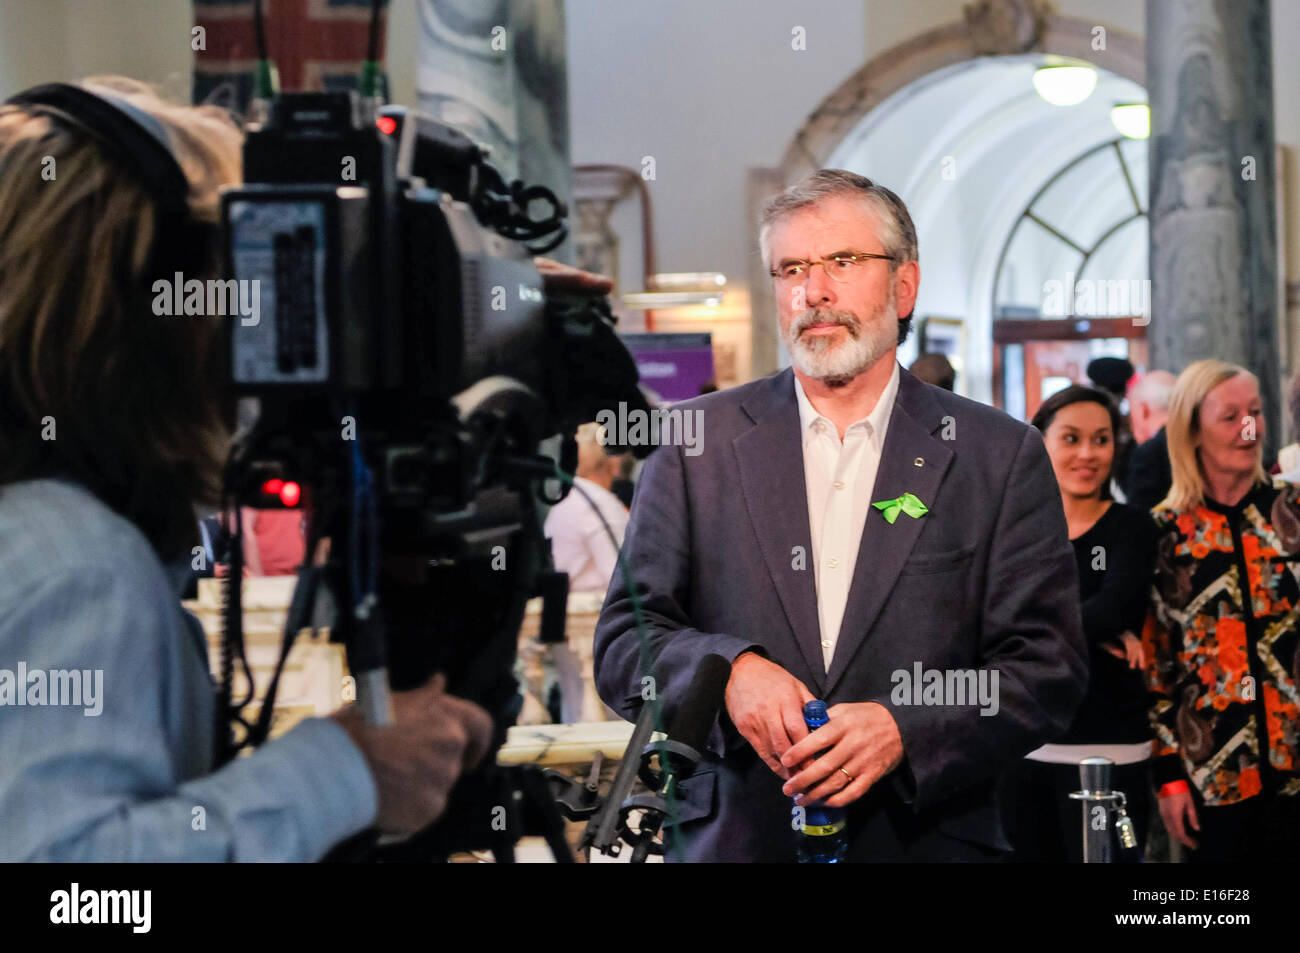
pixel 497 71
pixel 1213 217
pixel 767 353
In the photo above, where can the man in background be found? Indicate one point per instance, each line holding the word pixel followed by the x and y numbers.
pixel 580 544
pixel 1148 476
pixel 934 368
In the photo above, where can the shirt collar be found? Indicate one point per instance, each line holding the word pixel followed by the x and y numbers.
pixel 597 492
pixel 878 419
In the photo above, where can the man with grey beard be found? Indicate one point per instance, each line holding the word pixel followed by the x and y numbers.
pixel 846 522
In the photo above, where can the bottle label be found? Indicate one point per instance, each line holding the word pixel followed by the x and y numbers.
pixel 823 830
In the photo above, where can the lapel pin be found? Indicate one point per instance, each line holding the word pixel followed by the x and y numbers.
pixel 918 462
pixel 907 503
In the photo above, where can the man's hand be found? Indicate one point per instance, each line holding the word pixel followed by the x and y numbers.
pixel 1178 811
pixel 416 760
pixel 558 278
pixel 765 703
pixel 861 745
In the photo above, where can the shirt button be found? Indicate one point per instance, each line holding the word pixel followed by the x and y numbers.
pixel 839 484
pixel 826 643
pixel 833 563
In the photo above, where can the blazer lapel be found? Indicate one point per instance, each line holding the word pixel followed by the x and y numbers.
pixel 770 459
pixel 885 547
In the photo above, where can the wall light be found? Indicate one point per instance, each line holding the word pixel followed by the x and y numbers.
pixel 678 290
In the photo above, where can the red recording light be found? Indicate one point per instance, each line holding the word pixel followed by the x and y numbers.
pixel 290 493
pixel 387 125
pixel 272 487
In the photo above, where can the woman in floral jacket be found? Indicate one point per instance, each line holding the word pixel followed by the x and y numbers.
pixel 1222 638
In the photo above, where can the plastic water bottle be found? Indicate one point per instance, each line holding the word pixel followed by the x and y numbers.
pixel 824 836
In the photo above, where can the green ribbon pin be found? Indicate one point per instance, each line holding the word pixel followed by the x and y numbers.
pixel 907 503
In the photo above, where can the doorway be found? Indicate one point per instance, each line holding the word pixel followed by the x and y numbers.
pixel 1034 358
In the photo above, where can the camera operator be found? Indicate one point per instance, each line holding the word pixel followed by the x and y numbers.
pixel 110 433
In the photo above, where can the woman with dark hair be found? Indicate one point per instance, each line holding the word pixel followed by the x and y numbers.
pixel 1114 549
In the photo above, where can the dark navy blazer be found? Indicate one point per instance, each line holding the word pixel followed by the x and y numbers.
pixel 985 580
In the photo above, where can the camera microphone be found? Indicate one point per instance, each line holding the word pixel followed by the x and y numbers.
pixel 676 757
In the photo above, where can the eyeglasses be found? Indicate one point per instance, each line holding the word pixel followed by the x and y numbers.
pixel 839 268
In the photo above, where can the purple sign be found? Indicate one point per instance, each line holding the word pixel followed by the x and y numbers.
pixel 673 366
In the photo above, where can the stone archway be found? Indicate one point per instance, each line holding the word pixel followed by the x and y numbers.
pixel 990 28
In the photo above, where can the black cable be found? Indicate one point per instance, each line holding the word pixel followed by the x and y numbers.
pixel 372 42
pixel 643 636
pixel 504 209
pixel 301 606
pixel 259 31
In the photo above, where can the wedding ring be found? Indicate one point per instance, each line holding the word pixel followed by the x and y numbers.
pixel 847 775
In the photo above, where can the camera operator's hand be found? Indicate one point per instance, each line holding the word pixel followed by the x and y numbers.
pixel 416 760
pixel 559 278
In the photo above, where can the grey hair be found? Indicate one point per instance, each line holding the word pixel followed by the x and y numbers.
pixel 896 231
pixel 1155 388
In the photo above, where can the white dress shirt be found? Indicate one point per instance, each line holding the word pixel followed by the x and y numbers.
pixel 840 477
pixel 579 544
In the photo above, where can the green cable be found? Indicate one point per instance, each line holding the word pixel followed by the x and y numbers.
pixel 643 640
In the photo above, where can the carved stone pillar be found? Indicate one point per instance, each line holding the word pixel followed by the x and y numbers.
pixel 1213 215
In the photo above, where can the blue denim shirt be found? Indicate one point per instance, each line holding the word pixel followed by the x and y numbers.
pixel 82 590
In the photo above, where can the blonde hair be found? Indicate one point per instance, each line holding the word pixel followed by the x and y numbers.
pixel 1183 428
pixel 592 455
pixel 133 396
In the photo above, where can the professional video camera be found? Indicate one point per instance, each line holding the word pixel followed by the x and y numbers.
pixel 406 364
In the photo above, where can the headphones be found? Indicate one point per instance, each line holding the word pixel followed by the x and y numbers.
pixel 141 145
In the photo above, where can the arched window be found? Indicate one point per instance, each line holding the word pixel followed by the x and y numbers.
pixel 1087 222
pixel 1072 280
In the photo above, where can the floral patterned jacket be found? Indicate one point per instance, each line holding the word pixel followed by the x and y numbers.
pixel 1222 642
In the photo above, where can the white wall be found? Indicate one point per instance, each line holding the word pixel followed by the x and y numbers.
pixel 707 87
pixel 713 86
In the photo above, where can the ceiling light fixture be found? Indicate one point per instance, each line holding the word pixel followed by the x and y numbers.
pixel 1065 85
pixel 1132 120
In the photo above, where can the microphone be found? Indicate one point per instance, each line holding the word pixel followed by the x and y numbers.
pixel 677 759
pixel 689 730
pixel 665 764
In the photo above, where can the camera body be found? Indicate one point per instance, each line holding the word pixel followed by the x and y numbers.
pixel 381 276
pixel 406 365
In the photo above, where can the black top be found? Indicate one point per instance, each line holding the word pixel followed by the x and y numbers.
pixel 1116 559
pixel 1148 476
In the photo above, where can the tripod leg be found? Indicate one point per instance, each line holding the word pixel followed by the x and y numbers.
pixel 503 852
pixel 537 796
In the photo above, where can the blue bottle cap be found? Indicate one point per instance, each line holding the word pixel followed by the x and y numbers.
pixel 815 710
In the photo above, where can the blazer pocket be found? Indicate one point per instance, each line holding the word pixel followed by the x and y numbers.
pixel 928 563
pixel 696 797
